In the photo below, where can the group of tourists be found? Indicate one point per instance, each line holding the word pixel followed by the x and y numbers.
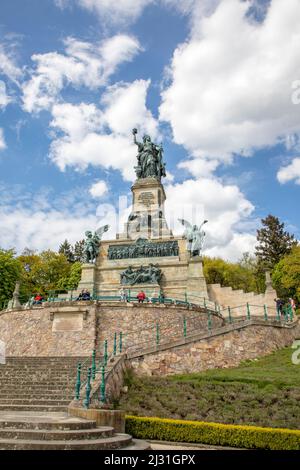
pixel 84 295
pixel 141 297
pixel 281 305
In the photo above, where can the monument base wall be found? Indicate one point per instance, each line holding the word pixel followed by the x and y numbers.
pixel 183 343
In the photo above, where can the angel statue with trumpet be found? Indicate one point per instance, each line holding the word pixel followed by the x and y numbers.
pixel 92 244
pixel 194 236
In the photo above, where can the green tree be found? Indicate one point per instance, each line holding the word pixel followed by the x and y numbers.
pixel 273 242
pixel 258 275
pixel 10 272
pixel 42 272
pixel 71 281
pixel 78 251
pixel 31 266
pixel 67 250
pixel 235 275
pixel 286 275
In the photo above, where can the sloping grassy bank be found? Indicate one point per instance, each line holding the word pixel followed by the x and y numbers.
pixel 263 392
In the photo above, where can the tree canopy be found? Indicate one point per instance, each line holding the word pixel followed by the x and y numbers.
pixel 286 275
pixel 10 272
pixel 273 242
pixel 242 275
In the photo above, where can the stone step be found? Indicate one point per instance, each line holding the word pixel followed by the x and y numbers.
pixel 118 441
pixel 36 382
pixel 38 423
pixel 26 390
pixel 49 371
pixel 37 391
pixel 31 401
pixel 33 369
pixel 34 396
pixel 40 379
pixel 56 435
pixel 46 360
pixel 36 370
pixel 33 407
pixel 34 385
pixel 38 373
pixel 57 366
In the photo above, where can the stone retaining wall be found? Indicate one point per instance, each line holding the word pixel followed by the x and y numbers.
pixel 75 328
pixel 138 323
pixel 226 350
pixel 49 331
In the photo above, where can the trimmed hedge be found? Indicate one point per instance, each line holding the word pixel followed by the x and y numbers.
pixel 250 437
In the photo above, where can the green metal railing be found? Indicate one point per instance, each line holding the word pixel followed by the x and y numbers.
pixel 181 298
pixel 87 371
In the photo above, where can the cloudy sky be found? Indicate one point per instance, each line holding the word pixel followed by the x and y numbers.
pixel 217 81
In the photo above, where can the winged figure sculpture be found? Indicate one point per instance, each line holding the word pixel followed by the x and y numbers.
pixel 92 243
pixel 194 236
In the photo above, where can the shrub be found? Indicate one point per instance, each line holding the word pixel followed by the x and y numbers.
pixel 250 437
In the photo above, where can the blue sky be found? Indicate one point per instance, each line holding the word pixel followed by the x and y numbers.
pixel 216 81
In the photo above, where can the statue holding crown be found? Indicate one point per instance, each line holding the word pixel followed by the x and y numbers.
pixel 150 158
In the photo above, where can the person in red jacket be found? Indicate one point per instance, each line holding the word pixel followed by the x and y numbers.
pixel 38 299
pixel 141 297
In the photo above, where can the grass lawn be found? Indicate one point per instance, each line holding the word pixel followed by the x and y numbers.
pixel 263 392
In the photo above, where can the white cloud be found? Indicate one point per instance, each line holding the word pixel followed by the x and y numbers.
pixel 199 167
pixel 109 151
pixel 76 121
pixel 41 230
pixel 43 220
pixel 83 64
pixel 120 12
pixel 98 189
pixel 240 243
pixel 102 138
pixel 290 172
pixel 224 206
pixel 2 140
pixel 196 9
pixel 230 89
pixel 126 108
pixel 4 98
pixel 8 65
pixel 124 12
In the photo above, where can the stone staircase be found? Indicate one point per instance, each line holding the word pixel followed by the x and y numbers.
pixel 37 383
pixel 35 393
pixel 58 431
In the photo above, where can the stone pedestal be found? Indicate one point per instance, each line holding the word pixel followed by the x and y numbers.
pixel 147 219
pixel 196 283
pixel 88 277
pixel 270 292
pixel 14 303
pixel 113 418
